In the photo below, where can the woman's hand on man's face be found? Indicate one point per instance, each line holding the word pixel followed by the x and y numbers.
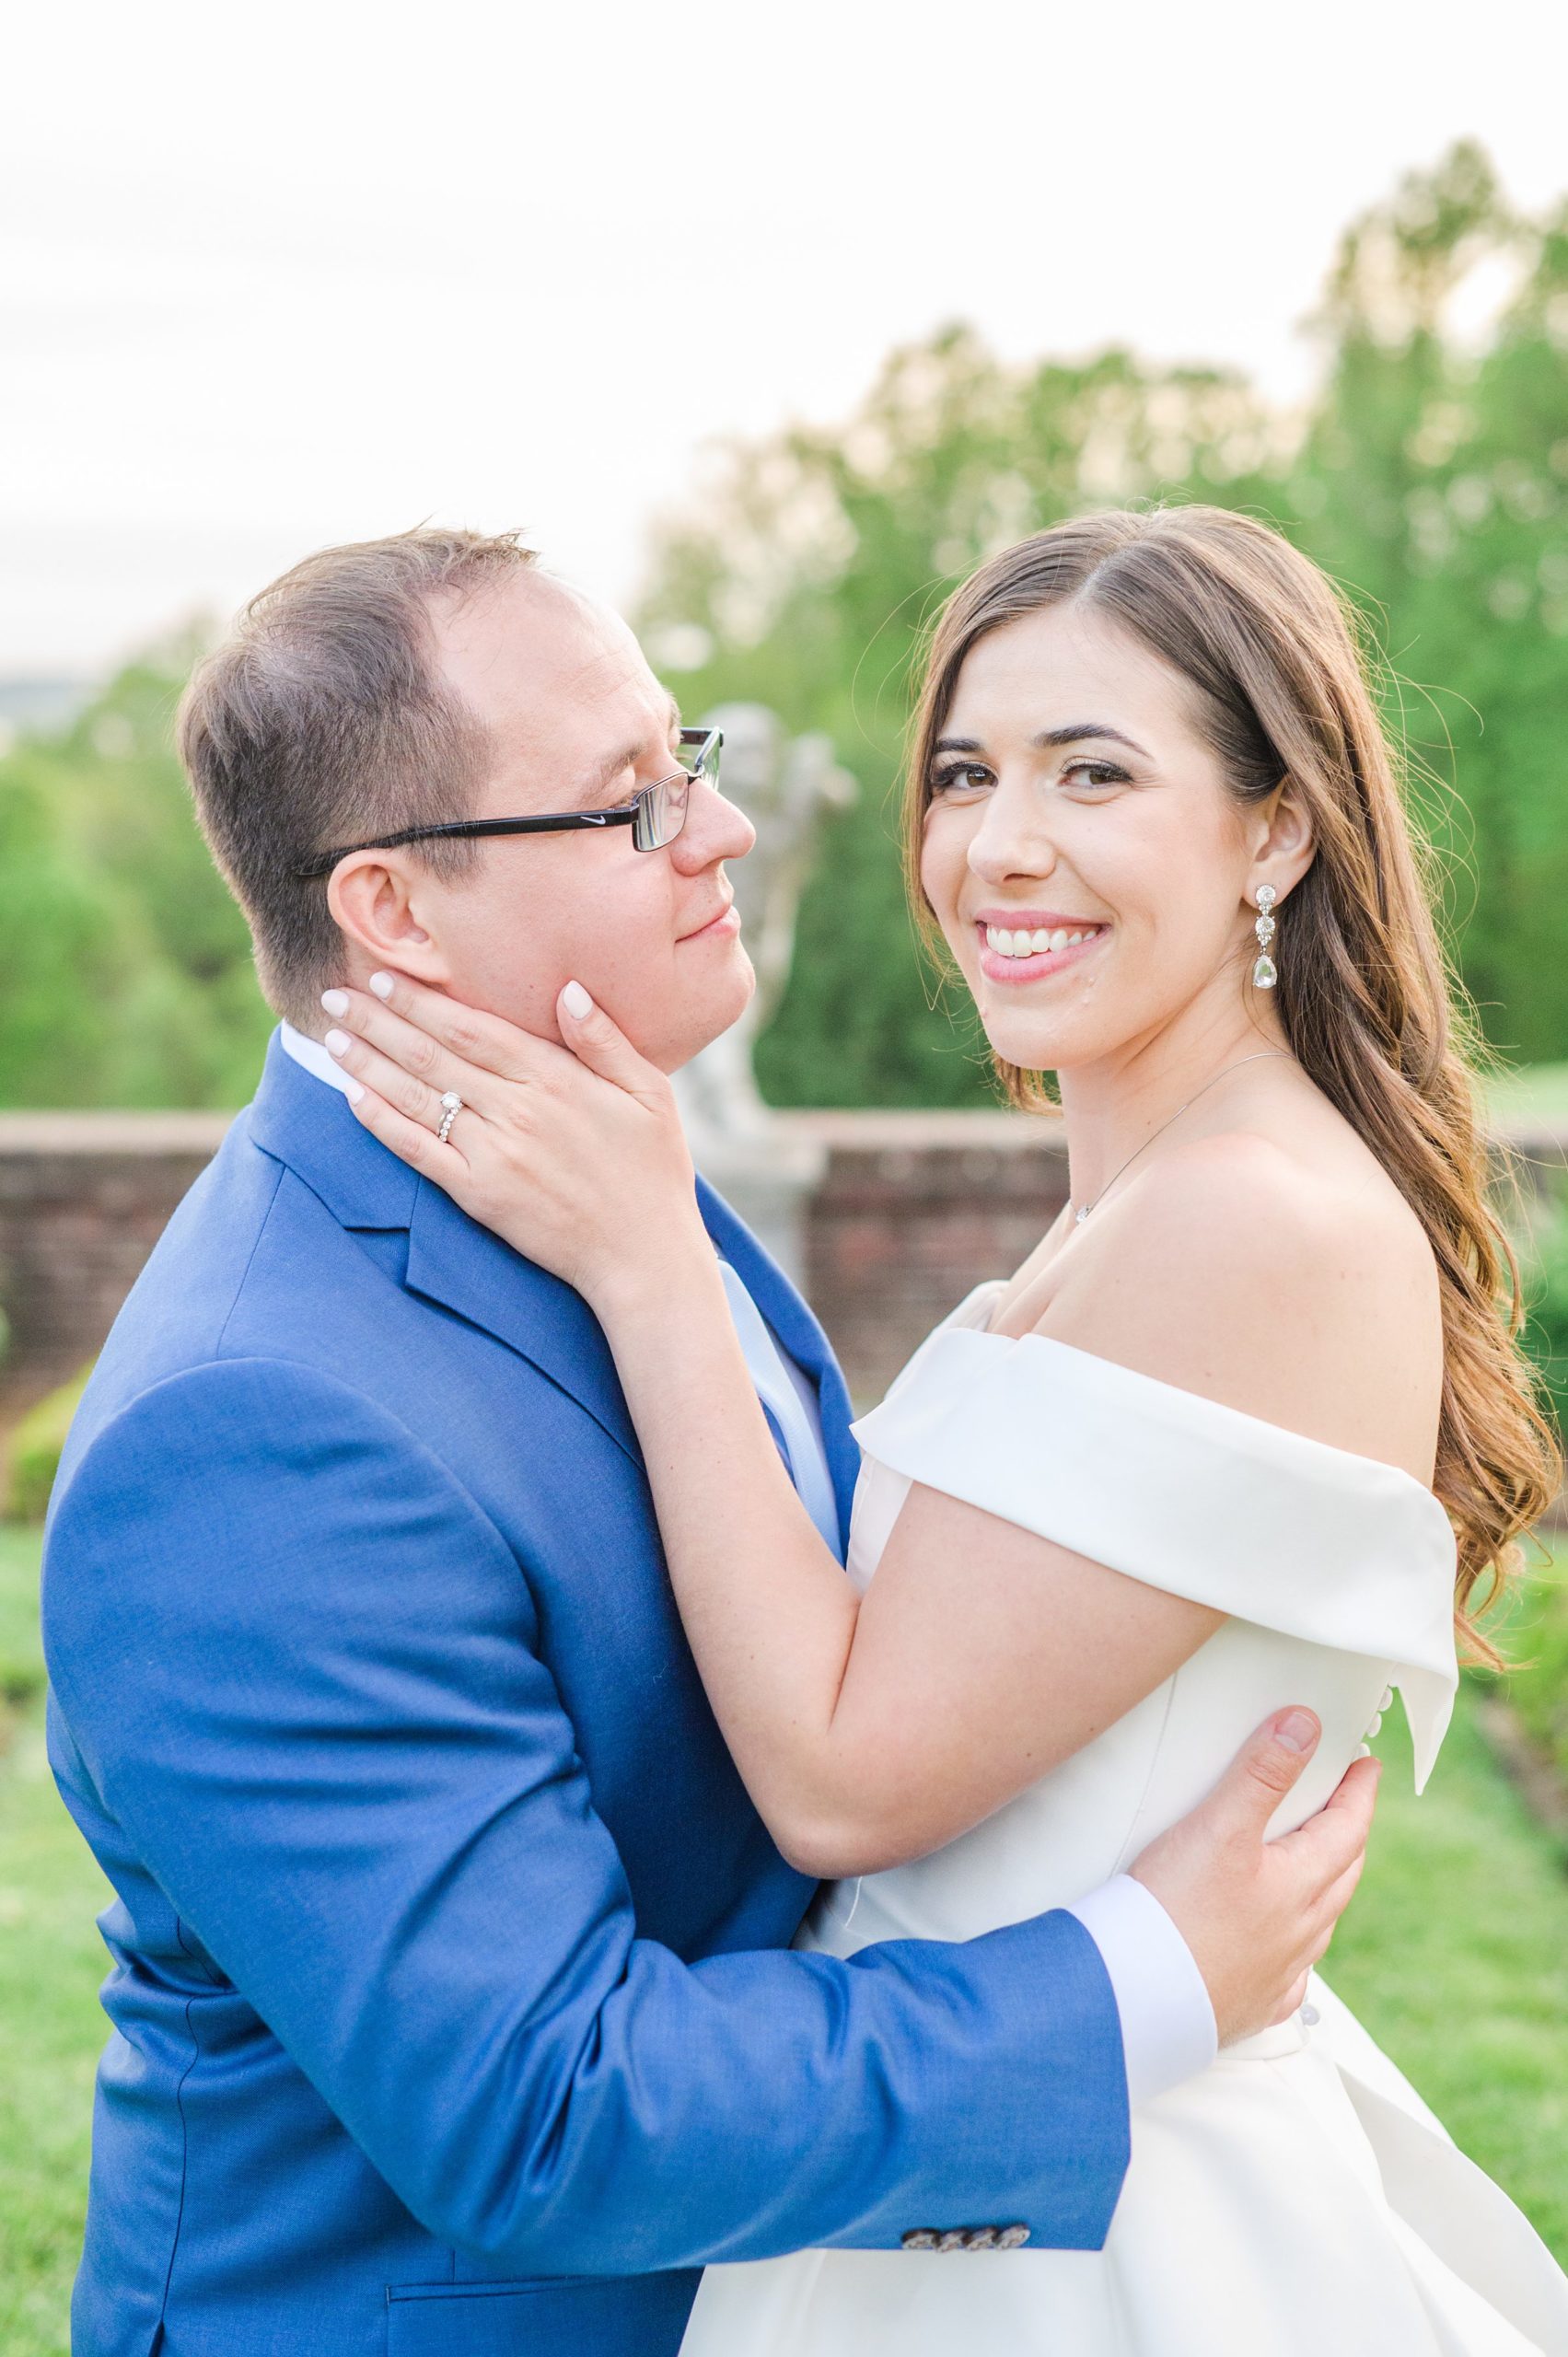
pixel 573 1155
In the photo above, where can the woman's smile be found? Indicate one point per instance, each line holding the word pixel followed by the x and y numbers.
pixel 1028 944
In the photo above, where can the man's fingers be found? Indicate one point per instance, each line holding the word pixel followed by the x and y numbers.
pixel 1340 1893
pixel 1333 1841
pixel 1357 1788
pixel 1264 1770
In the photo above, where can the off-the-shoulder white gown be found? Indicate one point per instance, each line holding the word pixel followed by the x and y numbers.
pixel 1297 2197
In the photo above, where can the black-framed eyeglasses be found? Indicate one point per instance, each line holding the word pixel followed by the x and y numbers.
pixel 655 813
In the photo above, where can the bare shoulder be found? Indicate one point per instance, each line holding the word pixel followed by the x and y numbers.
pixel 1298 1288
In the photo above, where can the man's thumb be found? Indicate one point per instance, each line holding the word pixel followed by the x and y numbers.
pixel 1267 1766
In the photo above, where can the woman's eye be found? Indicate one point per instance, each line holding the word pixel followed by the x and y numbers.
pixel 968 777
pixel 1093 773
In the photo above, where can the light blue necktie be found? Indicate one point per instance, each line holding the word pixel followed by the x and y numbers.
pixel 806 1458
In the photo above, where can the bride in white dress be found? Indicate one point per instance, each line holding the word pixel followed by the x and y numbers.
pixel 1238 1433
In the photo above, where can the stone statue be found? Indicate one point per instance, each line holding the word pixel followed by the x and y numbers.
pixel 782 784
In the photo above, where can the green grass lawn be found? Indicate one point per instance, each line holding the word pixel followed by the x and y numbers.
pixel 52 1961
pixel 1453 1956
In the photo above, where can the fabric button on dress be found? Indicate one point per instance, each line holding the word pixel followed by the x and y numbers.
pixel 1011 2238
pixel 918 2238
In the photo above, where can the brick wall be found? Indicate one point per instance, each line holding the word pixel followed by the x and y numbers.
pixel 913 1210
pixel 83 1200
pixel 909 1212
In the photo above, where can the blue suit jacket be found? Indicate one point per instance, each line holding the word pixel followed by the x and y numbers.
pixel 452 2000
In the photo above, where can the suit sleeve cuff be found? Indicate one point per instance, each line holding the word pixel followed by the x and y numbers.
pixel 1168 2031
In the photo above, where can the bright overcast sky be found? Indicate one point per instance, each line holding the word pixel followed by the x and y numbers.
pixel 274 275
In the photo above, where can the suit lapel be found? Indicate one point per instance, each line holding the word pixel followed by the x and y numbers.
pixel 460 1266
pixel 452 1261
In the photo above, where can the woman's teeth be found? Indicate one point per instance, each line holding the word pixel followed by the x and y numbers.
pixel 1032 945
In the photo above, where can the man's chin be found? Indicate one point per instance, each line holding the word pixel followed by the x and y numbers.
pixel 720 1018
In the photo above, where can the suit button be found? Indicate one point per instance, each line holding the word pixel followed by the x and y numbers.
pixel 1012 2237
pixel 953 2240
pixel 980 2238
pixel 918 2238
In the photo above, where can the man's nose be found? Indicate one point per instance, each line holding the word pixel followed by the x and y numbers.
pixel 715 828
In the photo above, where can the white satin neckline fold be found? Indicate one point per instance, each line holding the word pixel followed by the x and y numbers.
pixel 1186 1493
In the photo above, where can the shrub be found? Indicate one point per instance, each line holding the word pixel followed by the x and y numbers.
pixel 1537 1687
pixel 1544 1267
pixel 35 1451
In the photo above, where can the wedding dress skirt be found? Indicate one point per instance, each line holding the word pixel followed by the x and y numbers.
pixel 1297 2197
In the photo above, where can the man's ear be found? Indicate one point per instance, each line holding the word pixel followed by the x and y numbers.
pixel 378 903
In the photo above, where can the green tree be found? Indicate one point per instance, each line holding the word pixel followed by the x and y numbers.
pixel 1427 475
pixel 1430 475
pixel 127 976
pixel 1432 482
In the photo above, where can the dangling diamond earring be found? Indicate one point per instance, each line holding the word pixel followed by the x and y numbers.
pixel 1264 973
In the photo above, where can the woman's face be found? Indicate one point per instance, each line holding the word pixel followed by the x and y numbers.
pixel 1072 796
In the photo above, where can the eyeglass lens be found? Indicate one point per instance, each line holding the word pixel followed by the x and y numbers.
pixel 661 813
pixel 661 809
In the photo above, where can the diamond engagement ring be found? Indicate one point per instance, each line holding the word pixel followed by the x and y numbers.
pixel 451 1106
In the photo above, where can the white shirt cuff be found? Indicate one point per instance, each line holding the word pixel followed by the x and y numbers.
pixel 1168 2031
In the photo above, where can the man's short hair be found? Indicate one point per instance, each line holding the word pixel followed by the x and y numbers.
pixel 324 720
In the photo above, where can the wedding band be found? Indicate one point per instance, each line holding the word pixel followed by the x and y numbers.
pixel 451 1106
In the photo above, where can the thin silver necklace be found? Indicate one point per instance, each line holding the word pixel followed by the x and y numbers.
pixel 1262 1057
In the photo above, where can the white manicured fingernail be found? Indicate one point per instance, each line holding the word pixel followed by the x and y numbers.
pixel 353 1092
pixel 576 1000
pixel 338 1043
pixel 334 1002
pixel 382 986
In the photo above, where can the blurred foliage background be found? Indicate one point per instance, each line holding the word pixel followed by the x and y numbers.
pixel 1429 473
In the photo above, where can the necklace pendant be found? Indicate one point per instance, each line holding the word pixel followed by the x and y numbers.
pixel 1079 1217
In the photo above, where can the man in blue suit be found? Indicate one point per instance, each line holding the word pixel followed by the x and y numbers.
pixel 453 2006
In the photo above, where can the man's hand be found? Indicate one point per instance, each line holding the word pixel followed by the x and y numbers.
pixel 1257 1916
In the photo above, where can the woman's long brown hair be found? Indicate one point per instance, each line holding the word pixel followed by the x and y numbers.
pixel 1369 1004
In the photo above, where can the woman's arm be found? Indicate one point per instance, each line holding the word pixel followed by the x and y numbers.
pixel 983 1655
pixel 867 1732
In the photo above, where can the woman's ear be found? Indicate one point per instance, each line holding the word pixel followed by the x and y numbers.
pixel 1282 839
pixel 375 901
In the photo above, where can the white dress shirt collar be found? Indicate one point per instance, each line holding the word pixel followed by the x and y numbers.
pixel 313 1056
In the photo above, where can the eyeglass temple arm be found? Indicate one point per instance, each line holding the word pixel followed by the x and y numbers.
pixel 543 825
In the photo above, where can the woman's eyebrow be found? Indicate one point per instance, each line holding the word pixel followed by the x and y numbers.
pixel 1077 731
pixel 1050 739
